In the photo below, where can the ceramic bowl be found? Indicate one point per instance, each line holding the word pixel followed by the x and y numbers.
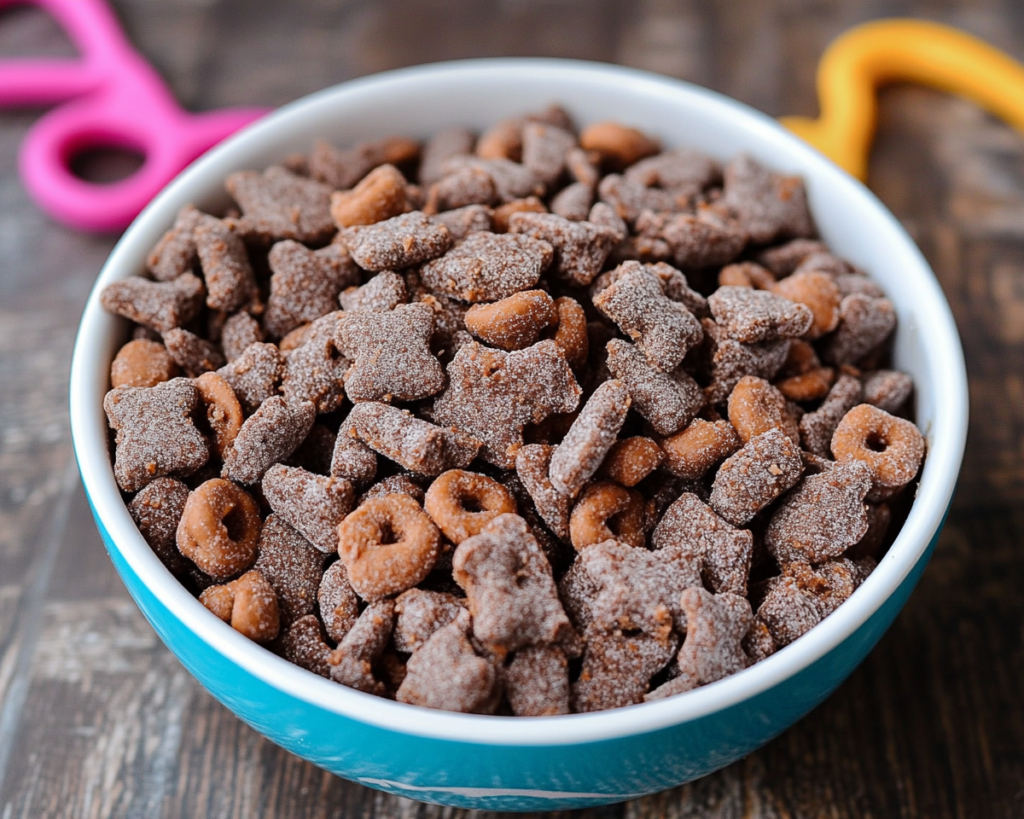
pixel 553 762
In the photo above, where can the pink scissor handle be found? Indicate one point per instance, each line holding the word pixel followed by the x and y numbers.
pixel 121 103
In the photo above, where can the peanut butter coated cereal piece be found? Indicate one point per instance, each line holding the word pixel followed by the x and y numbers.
pixel 537 682
pixel 571 332
pixel 292 566
pixel 503 213
pixel 390 354
pixel 278 204
pixel 668 400
pixel 712 650
pixel 580 248
pixel 156 437
pixel 492 395
pixel 819 293
pixel 353 660
pixel 161 306
pixel 421 614
pixel 337 601
pixel 892 448
pixel 343 169
pixel 193 354
pixel 607 511
pixel 573 202
pixel 630 460
pixel 755 406
pixel 462 503
pixel 691 453
pixel 888 390
pixel 447 674
pixel 401 484
pixel 511 180
pixel 222 410
pixel 767 465
pixel 255 374
pixel 397 242
pixel 269 435
pixel 663 329
pixel 175 253
pixel 379 195
pixel 514 322
pixel 219 529
pixel 488 266
pixel 388 545
pixel 239 331
pixel 509 589
pixel 352 459
pixel 865 322
pixel 439 148
pixel 305 284
pixel 701 240
pixel 461 222
pixel 823 517
pixel 313 504
pixel 589 438
pixel 417 445
pixel 618 145
pixel 721 553
pixel 142 363
pixel 248 604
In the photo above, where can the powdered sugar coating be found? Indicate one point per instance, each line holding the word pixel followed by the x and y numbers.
pixel 663 329
pixel 390 353
pixel 629 198
pixel 865 322
pixel 420 614
pixel 255 374
pixel 684 171
pixel 702 240
pixel 305 284
pixel 488 266
pixel 492 395
pixel 818 427
pixel 822 517
pixel 415 444
pixel 312 504
pixel 382 293
pixel 753 316
pixel 888 390
pixel 767 465
pixel 175 253
pixel 769 206
pixel 509 588
pixel 277 204
pixel 537 682
pixel 573 202
pixel 230 282
pixel 156 437
pixel 532 465
pixel 352 459
pixel 397 242
pixel 337 601
pixel 268 436
pixel 669 401
pixel 461 222
pixel 617 668
pixel 721 552
pixel 239 331
pixel 581 248
pixel 193 354
pixel 589 438
pixel 315 370
pixel 292 566
pixel 157 510
pixel 303 643
pixel 353 660
pixel 159 305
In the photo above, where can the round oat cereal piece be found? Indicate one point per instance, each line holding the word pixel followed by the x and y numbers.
pixel 248 604
pixel 607 511
pixel 220 528
pixel 142 363
pixel 462 503
pixel 891 447
pixel 223 412
pixel 388 545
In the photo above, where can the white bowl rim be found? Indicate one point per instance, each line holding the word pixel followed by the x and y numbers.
pixel 948 437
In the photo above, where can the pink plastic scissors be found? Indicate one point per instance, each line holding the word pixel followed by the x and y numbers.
pixel 111 98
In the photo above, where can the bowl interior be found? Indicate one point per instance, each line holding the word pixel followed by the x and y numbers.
pixel 418 102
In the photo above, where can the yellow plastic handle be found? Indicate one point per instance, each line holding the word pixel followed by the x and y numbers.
pixel 876 53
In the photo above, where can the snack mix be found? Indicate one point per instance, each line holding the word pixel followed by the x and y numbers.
pixel 530 422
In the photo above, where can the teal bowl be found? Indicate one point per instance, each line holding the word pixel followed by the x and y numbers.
pixel 579 760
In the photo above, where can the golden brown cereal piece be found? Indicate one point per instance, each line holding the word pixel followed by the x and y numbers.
pixel 303 643
pixel 492 395
pixel 312 504
pixel 268 436
pixel 161 306
pixel 156 436
pixel 509 588
pixel 691 453
pixel 819 293
pixel 537 682
pixel 503 140
pixel 755 406
pixel 220 529
pixel 823 517
pixel 462 503
pixel 617 668
pixel 337 601
pixel 589 438
pixel 532 464
pixel 571 332
pixel 420 614
pixel 630 460
pixel 514 322
pixel 746 274
pixel 817 428
pixel 891 447
pixel 720 553
pixel 447 674
pixel 353 660
pixel 715 627
pixel 618 145
pixel 768 465
pixel 388 545
pixel 808 386
pixel 248 604
pixel 379 196
pixel 142 363
pixel 502 213
pixel 292 565
pixel 223 412
pixel 607 511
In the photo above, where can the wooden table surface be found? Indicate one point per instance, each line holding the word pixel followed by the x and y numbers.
pixel 98 719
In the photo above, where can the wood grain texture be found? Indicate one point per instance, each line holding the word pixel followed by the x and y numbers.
pixel 97 719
